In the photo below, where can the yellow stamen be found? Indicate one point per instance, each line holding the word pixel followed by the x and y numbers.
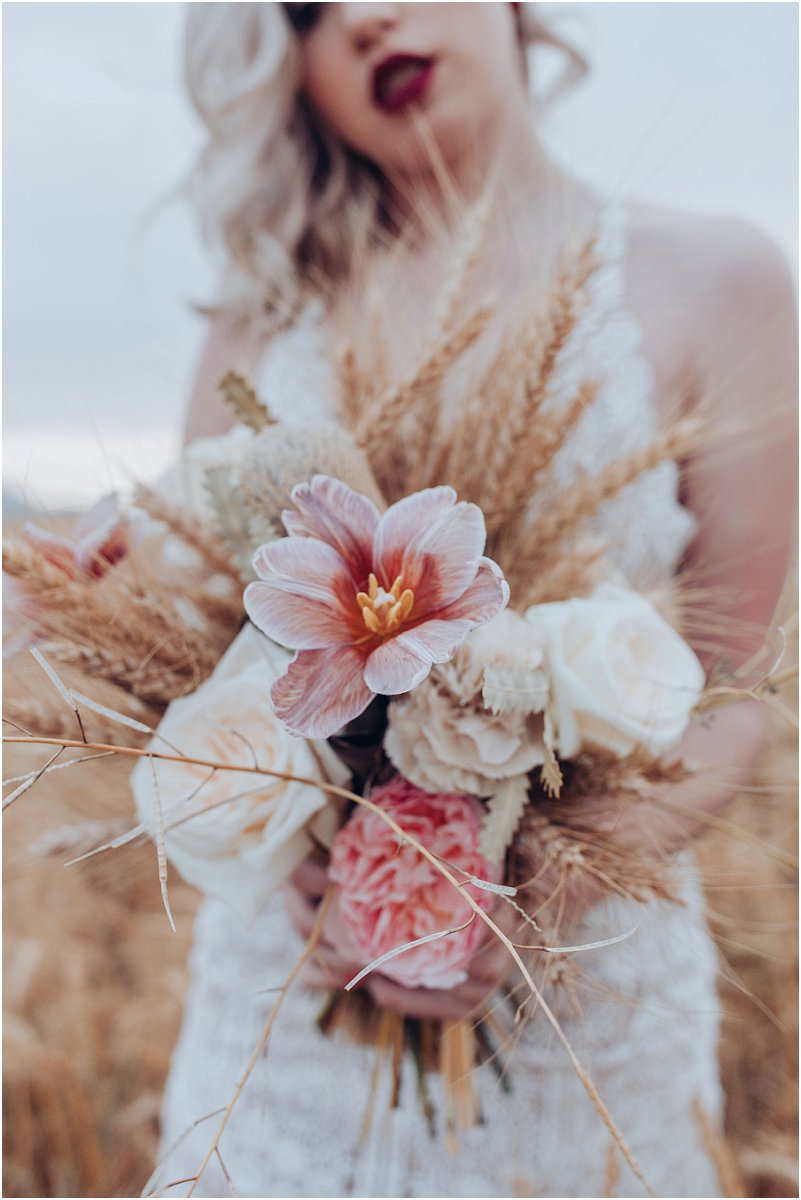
pixel 383 612
pixel 371 620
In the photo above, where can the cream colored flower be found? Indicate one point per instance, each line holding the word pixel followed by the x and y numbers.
pixel 234 835
pixel 183 486
pixel 621 678
pixel 444 737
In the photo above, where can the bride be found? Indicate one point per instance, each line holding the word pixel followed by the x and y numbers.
pixel 328 119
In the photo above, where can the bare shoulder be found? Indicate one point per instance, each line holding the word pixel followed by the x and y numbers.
pixel 708 290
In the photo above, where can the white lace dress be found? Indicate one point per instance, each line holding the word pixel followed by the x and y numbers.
pixel 643 1017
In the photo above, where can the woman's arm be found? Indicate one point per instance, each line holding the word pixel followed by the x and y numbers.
pixel 741 484
pixel 231 344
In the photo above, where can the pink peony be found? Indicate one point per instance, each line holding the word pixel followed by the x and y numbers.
pixel 389 894
pixel 370 601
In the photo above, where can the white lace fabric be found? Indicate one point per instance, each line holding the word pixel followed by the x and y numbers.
pixel 643 1016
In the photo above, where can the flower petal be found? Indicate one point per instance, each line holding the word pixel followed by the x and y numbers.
pixel 321 691
pixel 303 599
pixel 398 665
pixel 433 542
pixel 330 511
pixel 483 599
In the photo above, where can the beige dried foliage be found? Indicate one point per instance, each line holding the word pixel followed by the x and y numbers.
pixel 413 405
pixel 157 634
pixel 25 562
pixel 193 533
pixel 240 396
pixel 511 429
pixel 288 454
pixel 546 537
pixel 508 434
pixel 55 1149
pixel 573 837
pixel 574 574
pixel 529 457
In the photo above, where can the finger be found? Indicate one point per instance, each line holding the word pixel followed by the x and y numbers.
pixel 425 1002
pixel 492 965
pixel 311 877
pixel 320 977
pixel 301 911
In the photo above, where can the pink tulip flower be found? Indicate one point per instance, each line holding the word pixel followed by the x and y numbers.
pixel 99 538
pixel 370 601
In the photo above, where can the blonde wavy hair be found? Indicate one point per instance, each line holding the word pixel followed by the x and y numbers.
pixel 282 202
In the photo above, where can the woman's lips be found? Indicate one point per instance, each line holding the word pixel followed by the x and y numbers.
pixel 401 79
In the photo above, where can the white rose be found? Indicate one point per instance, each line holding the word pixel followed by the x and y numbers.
pixel 621 677
pixel 243 834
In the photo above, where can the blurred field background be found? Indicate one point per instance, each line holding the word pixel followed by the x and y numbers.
pixel 94 977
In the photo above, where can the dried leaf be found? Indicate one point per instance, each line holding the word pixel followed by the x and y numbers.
pixel 511 689
pixel 242 398
pixel 504 811
pixel 429 937
pixel 234 522
pixel 161 851
pixel 551 772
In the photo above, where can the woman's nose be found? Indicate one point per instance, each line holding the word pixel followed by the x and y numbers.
pixel 367 23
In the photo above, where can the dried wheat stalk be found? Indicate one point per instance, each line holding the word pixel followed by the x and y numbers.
pixel 536 449
pixel 27 563
pixel 193 533
pixel 547 535
pixel 157 638
pixel 414 403
pixel 541 546
pixel 509 429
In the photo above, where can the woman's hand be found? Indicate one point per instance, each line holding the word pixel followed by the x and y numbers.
pixel 333 965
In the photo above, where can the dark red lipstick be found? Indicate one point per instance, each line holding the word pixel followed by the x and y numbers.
pixel 401 79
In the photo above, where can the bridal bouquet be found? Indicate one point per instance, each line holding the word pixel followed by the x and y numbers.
pixel 469 714
pixel 440 666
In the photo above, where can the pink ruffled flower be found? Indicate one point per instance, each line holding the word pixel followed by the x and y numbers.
pixel 370 601
pixel 388 894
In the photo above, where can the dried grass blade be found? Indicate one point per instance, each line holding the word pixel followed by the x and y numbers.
pixel 384 958
pixel 73 836
pixel 24 787
pixel 610 941
pixel 74 762
pixel 499 889
pixel 130 835
pixel 161 852
pixel 60 686
pixel 112 714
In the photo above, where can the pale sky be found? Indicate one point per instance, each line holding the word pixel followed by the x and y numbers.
pixel 689 105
